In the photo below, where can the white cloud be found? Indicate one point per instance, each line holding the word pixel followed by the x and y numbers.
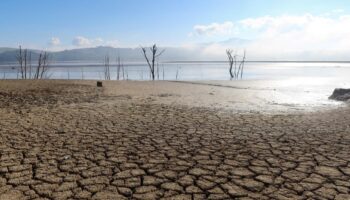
pixel 112 43
pixel 99 40
pixel 301 33
pixel 81 41
pixel 280 21
pixel 301 37
pixel 338 10
pixel 226 28
pixel 54 41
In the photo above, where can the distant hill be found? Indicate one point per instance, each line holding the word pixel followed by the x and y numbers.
pixel 98 54
pixel 4 49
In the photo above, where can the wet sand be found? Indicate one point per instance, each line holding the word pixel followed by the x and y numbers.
pixel 166 140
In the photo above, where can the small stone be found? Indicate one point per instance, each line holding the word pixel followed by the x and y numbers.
pixel 99 84
pixel 60 131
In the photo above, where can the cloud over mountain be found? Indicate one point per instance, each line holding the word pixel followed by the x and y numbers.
pixel 226 28
pixel 54 41
pixel 285 36
pixel 81 41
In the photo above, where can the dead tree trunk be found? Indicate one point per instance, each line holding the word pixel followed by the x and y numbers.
pixel 20 60
pixel 118 67
pixel 233 59
pixel 242 64
pixel 107 67
pixel 38 68
pixel 151 64
pixel 24 59
pixel 43 64
pixel 230 61
pixel 30 65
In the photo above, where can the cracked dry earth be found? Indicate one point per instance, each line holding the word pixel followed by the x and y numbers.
pixel 72 146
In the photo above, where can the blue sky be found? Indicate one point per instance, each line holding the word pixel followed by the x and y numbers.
pixel 61 24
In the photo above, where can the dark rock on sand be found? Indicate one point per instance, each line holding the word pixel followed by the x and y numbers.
pixel 340 94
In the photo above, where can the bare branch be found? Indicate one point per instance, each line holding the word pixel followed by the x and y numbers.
pixel 151 64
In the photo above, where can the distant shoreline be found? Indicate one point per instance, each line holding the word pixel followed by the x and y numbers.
pixel 257 61
pixel 142 63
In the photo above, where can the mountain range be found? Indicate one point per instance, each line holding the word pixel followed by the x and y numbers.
pixel 98 54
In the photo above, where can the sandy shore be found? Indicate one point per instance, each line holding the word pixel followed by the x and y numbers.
pixel 155 140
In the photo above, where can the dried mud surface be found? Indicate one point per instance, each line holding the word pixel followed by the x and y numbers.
pixel 70 141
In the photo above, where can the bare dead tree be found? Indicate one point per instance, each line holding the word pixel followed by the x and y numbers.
pixel 154 56
pixel 24 59
pixel 235 72
pixel 158 70
pixel 107 68
pixel 230 61
pixel 119 66
pixel 38 68
pixel 235 61
pixel 241 65
pixel 82 73
pixel 177 73
pixel 30 65
pixel 126 74
pixel 20 60
pixel 123 71
pixel 43 66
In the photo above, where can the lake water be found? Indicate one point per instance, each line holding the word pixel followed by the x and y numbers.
pixel 193 71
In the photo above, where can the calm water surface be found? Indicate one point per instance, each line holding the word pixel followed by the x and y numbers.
pixel 193 71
